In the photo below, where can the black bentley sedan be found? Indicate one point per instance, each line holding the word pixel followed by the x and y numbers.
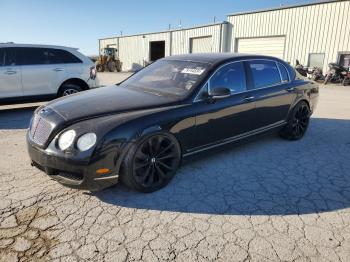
pixel 139 130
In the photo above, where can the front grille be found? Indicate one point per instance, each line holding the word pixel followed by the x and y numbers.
pixel 40 130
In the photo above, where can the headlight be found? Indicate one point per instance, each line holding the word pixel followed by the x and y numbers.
pixel 86 141
pixel 66 139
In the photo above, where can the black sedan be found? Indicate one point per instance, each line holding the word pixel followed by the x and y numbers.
pixel 141 129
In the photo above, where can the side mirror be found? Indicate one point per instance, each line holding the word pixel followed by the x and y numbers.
pixel 220 92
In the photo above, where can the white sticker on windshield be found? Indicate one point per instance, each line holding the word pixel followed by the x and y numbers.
pixel 193 71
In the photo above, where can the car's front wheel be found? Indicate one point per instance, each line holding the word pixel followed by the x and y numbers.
pixel 298 122
pixel 151 163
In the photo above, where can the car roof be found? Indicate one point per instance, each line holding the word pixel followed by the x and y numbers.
pixel 38 46
pixel 214 58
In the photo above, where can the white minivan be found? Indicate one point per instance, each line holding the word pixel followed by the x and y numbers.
pixel 41 72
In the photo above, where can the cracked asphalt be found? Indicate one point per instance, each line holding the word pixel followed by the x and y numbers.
pixel 265 200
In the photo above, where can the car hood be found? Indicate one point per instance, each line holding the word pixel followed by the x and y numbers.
pixel 106 100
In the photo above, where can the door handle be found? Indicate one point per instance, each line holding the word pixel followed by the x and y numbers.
pixel 10 72
pixel 58 69
pixel 248 98
pixel 291 89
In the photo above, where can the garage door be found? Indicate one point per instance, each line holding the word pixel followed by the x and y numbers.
pixel 273 46
pixel 201 44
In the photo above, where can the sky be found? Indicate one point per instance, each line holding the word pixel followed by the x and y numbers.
pixel 80 23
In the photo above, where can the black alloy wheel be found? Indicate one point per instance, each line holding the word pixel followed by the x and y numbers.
pixel 152 163
pixel 298 122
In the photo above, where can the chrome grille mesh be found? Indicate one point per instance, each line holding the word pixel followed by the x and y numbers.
pixel 40 130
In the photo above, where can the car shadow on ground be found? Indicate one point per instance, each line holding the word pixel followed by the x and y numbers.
pixel 16 118
pixel 267 176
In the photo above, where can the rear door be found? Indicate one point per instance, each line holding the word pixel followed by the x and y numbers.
pixel 227 117
pixel 273 91
pixel 10 74
pixel 41 74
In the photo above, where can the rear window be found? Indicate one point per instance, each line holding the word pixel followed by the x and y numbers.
pixel 264 73
pixel 65 56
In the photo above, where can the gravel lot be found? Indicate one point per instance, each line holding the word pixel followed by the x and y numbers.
pixel 266 200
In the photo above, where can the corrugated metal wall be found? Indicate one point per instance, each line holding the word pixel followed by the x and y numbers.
pixel 134 50
pixel 322 28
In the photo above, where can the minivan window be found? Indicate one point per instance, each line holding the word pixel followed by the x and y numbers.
pixel 264 73
pixel 10 57
pixel 2 57
pixel 66 57
pixel 284 73
pixel 32 56
pixel 231 76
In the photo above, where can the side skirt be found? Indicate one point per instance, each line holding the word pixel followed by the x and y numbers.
pixel 235 138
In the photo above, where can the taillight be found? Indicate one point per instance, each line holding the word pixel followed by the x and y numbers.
pixel 92 72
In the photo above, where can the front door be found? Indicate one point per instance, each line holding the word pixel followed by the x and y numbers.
pixel 10 74
pixel 227 117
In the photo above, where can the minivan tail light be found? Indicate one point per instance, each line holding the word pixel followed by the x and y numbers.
pixel 92 73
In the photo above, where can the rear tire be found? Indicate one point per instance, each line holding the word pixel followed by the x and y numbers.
pixel 99 68
pixel 69 89
pixel 346 81
pixel 111 66
pixel 298 122
pixel 151 162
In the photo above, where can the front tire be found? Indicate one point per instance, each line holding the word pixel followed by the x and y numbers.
pixel 151 163
pixel 327 79
pixel 346 81
pixel 298 122
pixel 69 89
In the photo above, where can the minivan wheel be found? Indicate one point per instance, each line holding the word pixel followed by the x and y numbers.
pixel 298 122
pixel 69 89
pixel 151 163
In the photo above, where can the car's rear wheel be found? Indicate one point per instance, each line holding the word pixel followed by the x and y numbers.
pixel 151 163
pixel 69 89
pixel 298 122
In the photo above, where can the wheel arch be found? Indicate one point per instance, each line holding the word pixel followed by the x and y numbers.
pixel 75 81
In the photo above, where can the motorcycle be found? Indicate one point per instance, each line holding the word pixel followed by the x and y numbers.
pixel 346 80
pixel 336 73
pixel 300 68
pixel 315 73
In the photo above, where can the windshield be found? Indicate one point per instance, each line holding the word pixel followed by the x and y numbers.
pixel 168 77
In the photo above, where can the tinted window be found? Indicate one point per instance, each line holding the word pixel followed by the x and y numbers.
pixel 10 56
pixel 265 73
pixel 54 56
pixel 32 56
pixel 284 73
pixel 231 76
pixel 66 57
pixel 2 56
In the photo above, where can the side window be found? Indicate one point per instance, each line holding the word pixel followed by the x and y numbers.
pixel 67 57
pixel 284 73
pixel 33 56
pixel 264 73
pixel 231 76
pixel 10 57
pixel 2 56
pixel 54 56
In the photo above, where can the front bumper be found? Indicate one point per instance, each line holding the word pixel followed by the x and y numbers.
pixel 74 172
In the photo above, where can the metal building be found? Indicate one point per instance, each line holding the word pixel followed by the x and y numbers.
pixel 315 34
pixel 136 50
